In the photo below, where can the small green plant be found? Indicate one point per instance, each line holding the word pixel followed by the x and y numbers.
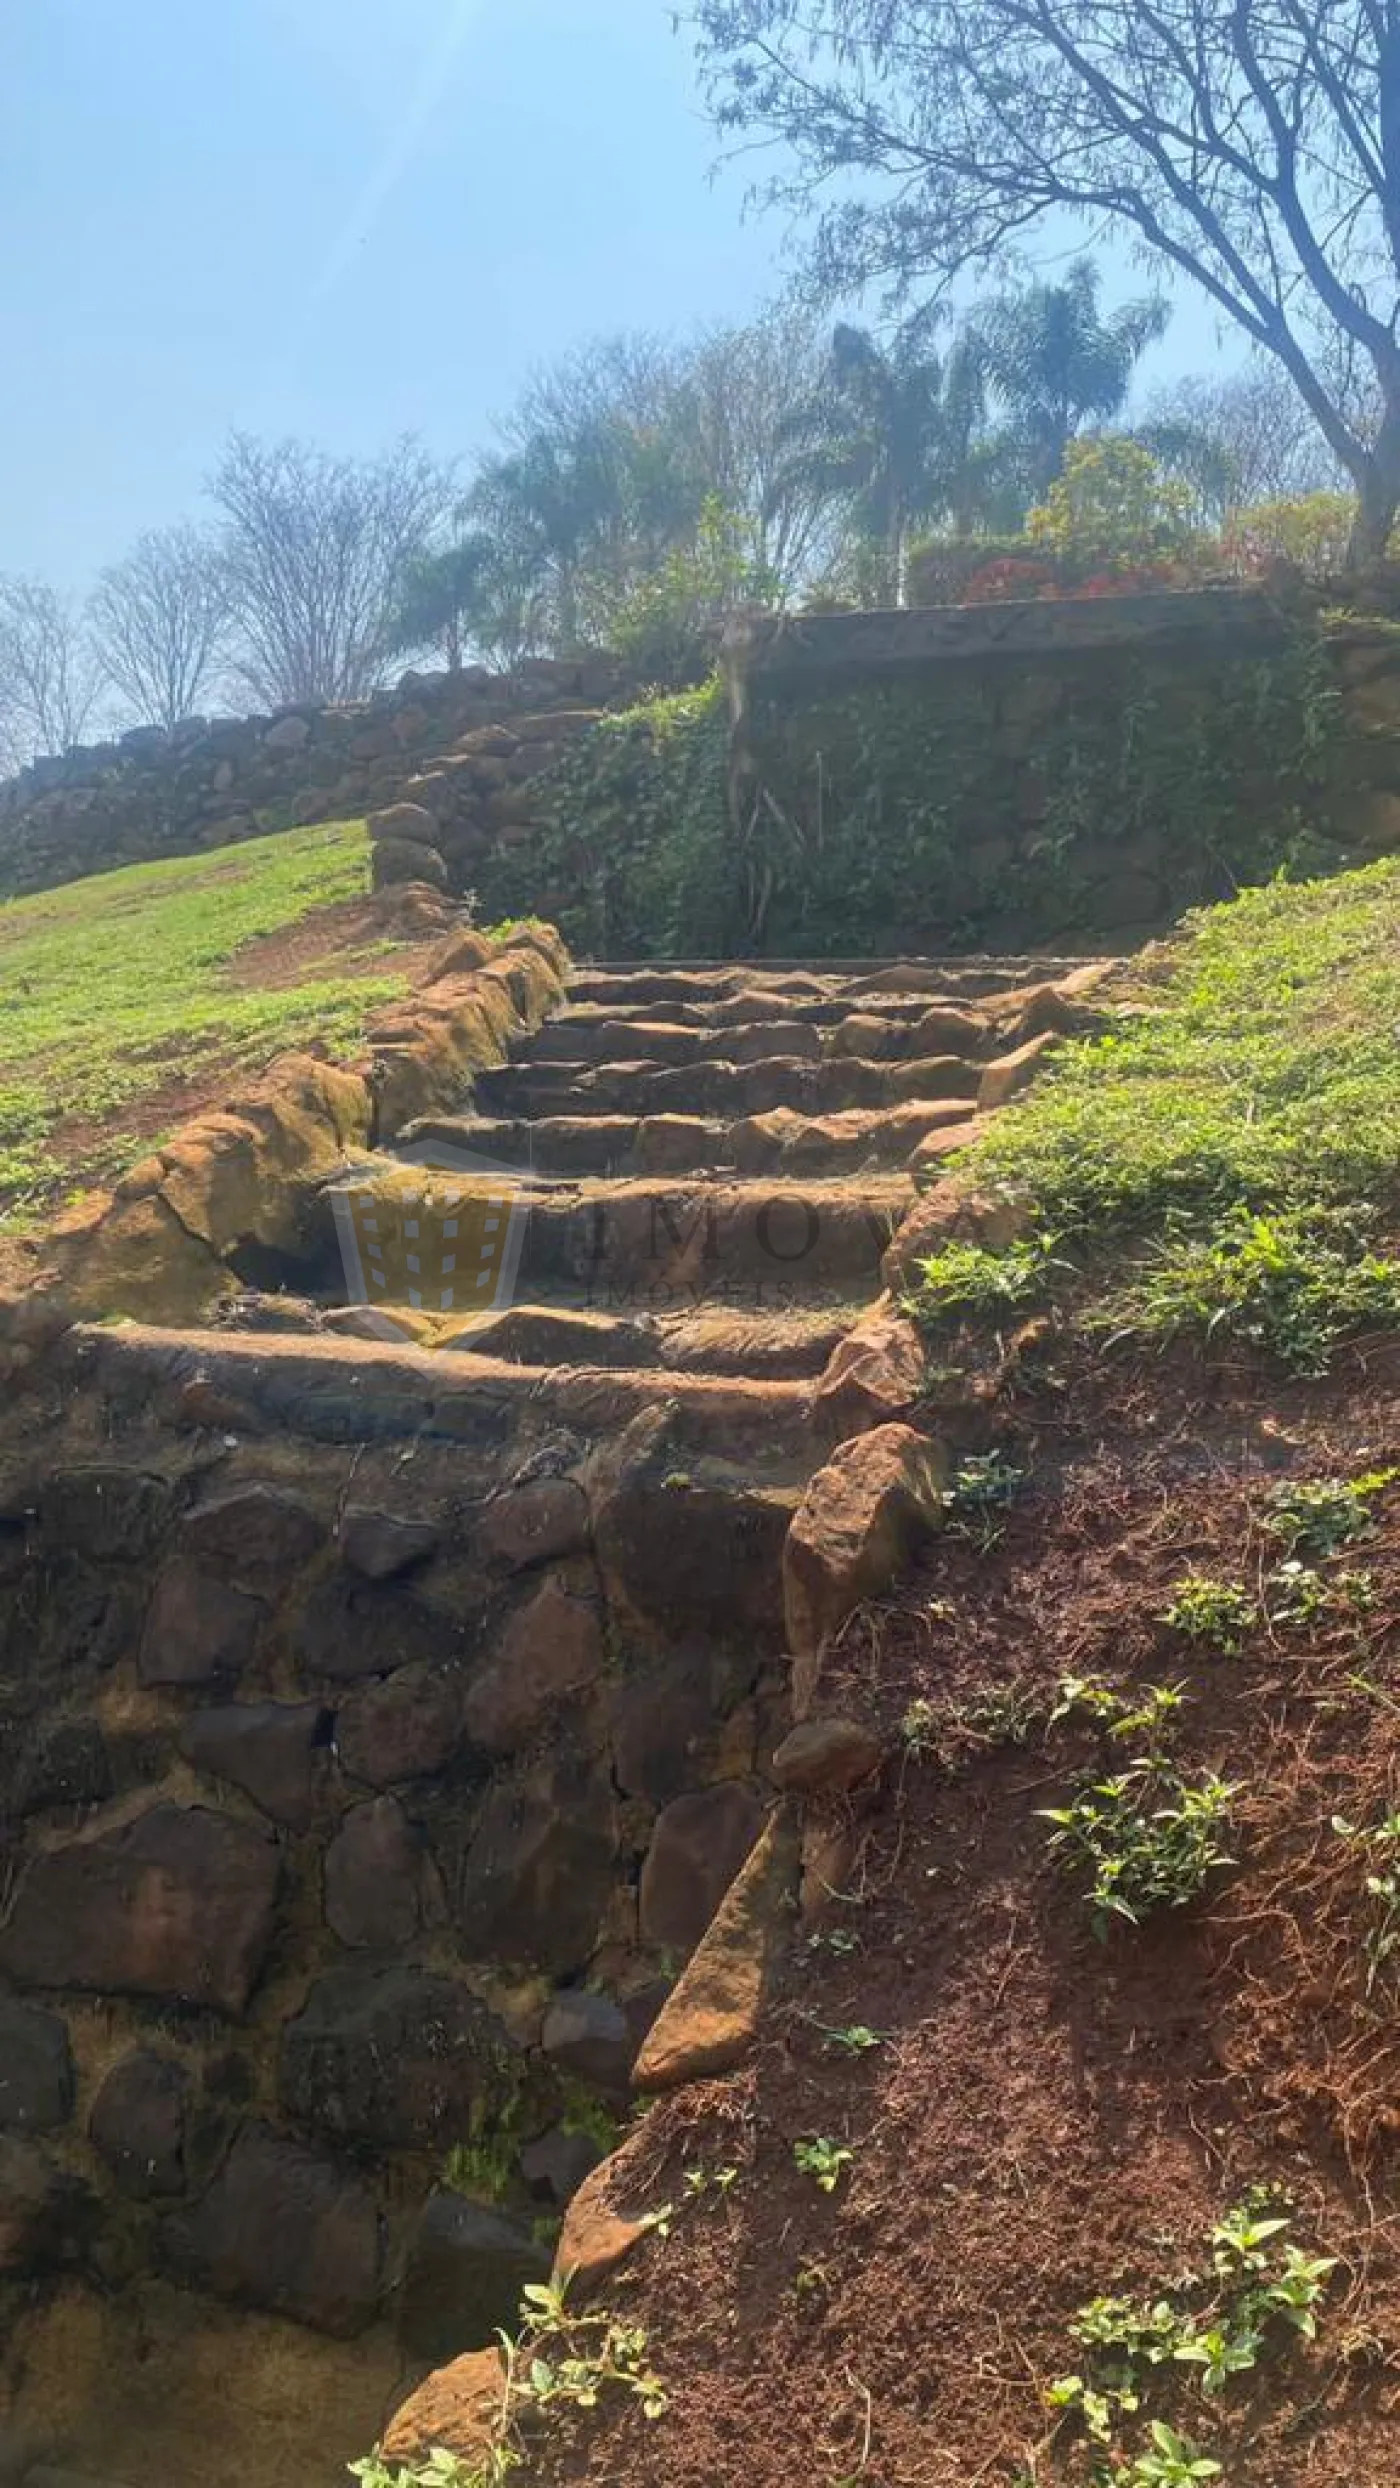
pixel 1318 1517
pixel 841 1940
pixel 822 2159
pixel 1381 1843
pixel 1217 1613
pixel 1172 2462
pixel 1260 2289
pixel 718 2182
pixel 441 2469
pixel 596 2353
pixel 919 1728
pixel 1146 1838
pixel 975 1504
pixel 852 2038
pixel 970 1278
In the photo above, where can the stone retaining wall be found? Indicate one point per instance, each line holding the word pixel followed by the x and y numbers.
pixel 212 783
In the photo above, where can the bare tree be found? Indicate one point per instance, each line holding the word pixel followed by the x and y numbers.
pixel 1251 145
pixel 50 683
pixel 315 550
pixel 1240 440
pixel 157 621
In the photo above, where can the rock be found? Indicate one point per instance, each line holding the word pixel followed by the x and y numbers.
pixel 552 1648
pixel 928 1156
pixel 860 1521
pixel 556 2165
pixel 587 2036
pixel 710 2022
pixel 664 1721
pixel 65 1764
pixel 699 1844
pixel 404 1728
pixel 408 823
pixel 112 1514
pixel 199 1631
pixel 400 2058
pixel 179 1904
pixel 286 734
pixel 256 1534
pixel 953 1211
pixel 288 2230
pixel 825 1757
pixel 878 1371
pixel 1012 1072
pixel 689 1552
pixel 376 1878
pixel 36 2070
pixel 379 1547
pixel 947 1030
pixel 466 2269
pixel 605 2220
pixel 536 1880
pixel 458 2409
pixel 46 2216
pixel 869 1036
pixel 395 860
pixel 268 1749
pixel 348 1630
pixel 138 2124
pixel 535 1523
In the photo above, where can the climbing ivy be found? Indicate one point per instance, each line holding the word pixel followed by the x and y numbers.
pixel 984 807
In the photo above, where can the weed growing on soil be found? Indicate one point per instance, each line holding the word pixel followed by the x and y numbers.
pixel 596 2354
pixel 1259 2289
pixel 852 2038
pixel 441 2470
pixel 1297 1593
pixel 983 1487
pixel 1321 1516
pixel 1147 1838
pixel 823 2159
pixel 1217 1613
pixel 1295 1282
pixel 709 2181
pixel 1381 1843
pixel 970 1279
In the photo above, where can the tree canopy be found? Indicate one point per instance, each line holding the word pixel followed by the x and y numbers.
pixel 1253 146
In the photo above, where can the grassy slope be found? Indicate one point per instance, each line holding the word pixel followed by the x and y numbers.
pixel 1043 2107
pixel 117 990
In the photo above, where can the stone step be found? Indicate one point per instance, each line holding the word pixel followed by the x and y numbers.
pixel 965 977
pixel 706 1088
pixel 606 1039
pixel 675 1144
pixel 341 1390
pixel 775 1238
pixel 790 1344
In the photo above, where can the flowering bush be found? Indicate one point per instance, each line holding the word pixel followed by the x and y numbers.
pixel 1311 531
pixel 1110 509
pixel 1008 578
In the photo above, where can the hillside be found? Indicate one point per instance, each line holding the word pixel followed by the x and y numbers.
pixel 1063 2150
pixel 128 1000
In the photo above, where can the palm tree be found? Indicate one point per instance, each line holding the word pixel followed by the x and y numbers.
pixel 1055 364
pixel 896 436
pixel 457 598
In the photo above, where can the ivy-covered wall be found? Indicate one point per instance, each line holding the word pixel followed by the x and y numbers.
pixel 1071 800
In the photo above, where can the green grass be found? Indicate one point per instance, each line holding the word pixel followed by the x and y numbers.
pixel 115 990
pixel 1240 1136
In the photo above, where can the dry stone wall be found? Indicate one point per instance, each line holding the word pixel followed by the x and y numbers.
pixel 358 1804
pixel 212 783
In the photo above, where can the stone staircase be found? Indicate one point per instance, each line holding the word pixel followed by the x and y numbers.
pixel 716 1157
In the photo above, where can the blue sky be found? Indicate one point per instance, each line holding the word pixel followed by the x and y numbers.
pixel 340 218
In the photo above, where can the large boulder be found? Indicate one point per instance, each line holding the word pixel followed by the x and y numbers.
pixel 139 2122
pixel 699 1844
pixel 405 1727
pixel 271 1750
pixel 179 1904
pixel 288 2230
pixel 861 1519
pixel 199 1630
pixel 536 1879
pixel 399 2058
pixel 381 1885
pixel 552 1649
pixel 467 2266
pixel 36 2069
